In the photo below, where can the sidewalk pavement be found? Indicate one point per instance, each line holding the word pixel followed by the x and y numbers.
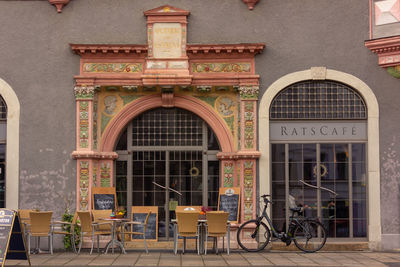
pixel 236 258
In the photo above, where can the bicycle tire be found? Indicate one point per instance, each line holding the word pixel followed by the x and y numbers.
pixel 315 231
pixel 249 246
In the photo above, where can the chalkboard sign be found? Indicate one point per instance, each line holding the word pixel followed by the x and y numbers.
pixel 104 198
pixel 12 244
pixel 139 214
pixel 229 201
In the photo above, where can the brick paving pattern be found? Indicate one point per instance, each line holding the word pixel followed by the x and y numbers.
pixel 236 258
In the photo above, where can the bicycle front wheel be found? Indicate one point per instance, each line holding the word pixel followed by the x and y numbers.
pixel 253 236
pixel 309 236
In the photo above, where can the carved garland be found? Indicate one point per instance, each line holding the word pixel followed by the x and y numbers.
pixel 248 189
pixel 83 184
pixel 83 124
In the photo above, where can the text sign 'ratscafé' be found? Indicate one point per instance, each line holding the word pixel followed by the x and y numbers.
pixel 229 201
pixel 167 40
pixel 104 202
pixel 309 131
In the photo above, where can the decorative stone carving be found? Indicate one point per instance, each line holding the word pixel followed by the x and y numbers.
pixel 249 92
pixel 250 3
pixel 130 88
pixel 59 4
pixel 318 73
pixel 84 92
pixel 204 88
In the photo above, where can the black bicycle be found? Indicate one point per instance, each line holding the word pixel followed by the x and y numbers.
pixel 309 235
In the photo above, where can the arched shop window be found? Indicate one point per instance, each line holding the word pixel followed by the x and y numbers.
pixel 3 137
pixel 162 149
pixel 319 136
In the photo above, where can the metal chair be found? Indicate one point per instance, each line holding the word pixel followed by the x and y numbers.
pixel 90 228
pixel 130 228
pixel 188 226
pixel 62 229
pixel 40 225
pixel 217 226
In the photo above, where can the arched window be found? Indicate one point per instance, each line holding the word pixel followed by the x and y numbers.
pixel 318 100
pixel 3 138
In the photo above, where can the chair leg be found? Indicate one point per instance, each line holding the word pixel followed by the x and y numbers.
pixel 38 244
pixel 229 242
pixel 184 245
pixel 205 245
pixel 80 243
pixel 98 244
pixel 145 244
pixel 29 243
pixel 73 243
pixel 51 243
pixel 198 244
pixel 216 245
pixel 91 250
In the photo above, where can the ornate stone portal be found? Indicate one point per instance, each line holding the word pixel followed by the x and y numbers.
pixel 215 81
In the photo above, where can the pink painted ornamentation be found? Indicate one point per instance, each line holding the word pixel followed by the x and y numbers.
pixel 248 182
pixel 228 173
pixel 83 185
pixel 250 3
pixel 112 67
pixel 59 4
pixel 220 67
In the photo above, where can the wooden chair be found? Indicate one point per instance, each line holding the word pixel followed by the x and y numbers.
pixel 187 227
pixel 40 225
pixel 217 226
pixel 90 228
pixel 59 228
pixel 25 220
pixel 127 228
pixel 98 216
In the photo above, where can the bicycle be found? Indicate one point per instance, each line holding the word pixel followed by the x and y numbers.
pixel 309 235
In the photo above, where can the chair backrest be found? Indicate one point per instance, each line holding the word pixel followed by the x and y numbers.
pixel 217 221
pixel 187 208
pixel 146 221
pixel 86 221
pixel 187 221
pixel 24 215
pixel 101 214
pixel 40 221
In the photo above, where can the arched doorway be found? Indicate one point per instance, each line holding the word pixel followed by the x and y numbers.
pixel 369 145
pixel 165 150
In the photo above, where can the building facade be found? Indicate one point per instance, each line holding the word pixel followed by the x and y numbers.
pixel 280 97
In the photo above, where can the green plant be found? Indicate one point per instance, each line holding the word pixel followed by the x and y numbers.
pixel 68 217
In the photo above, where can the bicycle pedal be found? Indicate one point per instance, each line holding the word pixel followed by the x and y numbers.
pixel 288 241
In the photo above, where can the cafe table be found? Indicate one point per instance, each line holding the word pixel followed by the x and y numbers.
pixel 114 236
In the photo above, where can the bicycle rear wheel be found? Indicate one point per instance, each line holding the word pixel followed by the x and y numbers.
pixel 253 236
pixel 310 236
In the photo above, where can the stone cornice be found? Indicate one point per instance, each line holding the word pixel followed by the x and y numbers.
pixel 239 155
pixel 82 49
pixel 388 51
pixel 93 155
pixel 254 48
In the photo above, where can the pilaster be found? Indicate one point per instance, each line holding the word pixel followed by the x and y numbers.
pixel 248 147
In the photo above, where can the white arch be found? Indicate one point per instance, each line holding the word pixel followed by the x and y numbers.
pixel 12 147
pixel 374 218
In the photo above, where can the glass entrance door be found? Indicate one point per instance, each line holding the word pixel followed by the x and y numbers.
pixel 162 152
pixel 339 167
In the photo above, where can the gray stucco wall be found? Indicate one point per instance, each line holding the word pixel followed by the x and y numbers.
pixel 36 60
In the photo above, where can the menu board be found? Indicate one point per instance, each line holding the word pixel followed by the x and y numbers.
pixel 104 198
pixel 229 201
pixel 12 244
pixel 139 214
